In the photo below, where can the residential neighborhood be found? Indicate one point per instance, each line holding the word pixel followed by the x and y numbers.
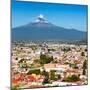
pixel 36 65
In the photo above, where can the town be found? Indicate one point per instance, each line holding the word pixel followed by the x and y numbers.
pixel 36 65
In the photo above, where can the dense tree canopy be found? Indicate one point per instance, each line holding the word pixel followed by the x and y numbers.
pixel 44 59
pixel 73 78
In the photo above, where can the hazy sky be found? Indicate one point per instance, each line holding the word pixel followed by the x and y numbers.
pixel 64 15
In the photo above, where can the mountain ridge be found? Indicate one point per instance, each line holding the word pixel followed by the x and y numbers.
pixel 43 30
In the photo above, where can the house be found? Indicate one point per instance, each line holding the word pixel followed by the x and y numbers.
pixel 58 67
pixel 70 72
pixel 31 78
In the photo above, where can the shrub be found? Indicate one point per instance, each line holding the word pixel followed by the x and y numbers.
pixel 36 71
pixel 73 78
pixel 52 75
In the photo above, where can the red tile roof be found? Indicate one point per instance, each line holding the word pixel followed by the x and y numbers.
pixel 78 82
pixel 73 70
pixel 14 81
pixel 31 78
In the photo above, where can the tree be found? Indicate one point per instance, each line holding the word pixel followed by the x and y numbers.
pixel 66 49
pixel 46 80
pixel 59 76
pixel 16 58
pixel 73 78
pixel 15 88
pixel 36 71
pixel 44 59
pixel 75 66
pixel 82 54
pixel 84 67
pixel 52 75
pixel 46 74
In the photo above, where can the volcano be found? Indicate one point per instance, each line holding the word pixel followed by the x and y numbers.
pixel 41 29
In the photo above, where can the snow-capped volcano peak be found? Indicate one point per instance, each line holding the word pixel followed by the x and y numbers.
pixel 41 18
pixel 40 22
